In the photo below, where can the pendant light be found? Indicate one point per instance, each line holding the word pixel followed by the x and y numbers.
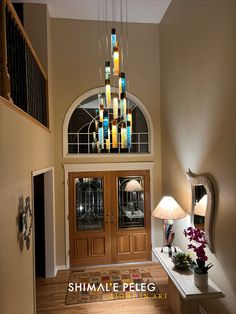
pixel 115 106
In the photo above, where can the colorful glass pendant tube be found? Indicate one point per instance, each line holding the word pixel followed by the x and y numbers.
pixel 129 118
pixel 122 83
pixel 113 40
pixel 101 110
pixel 101 135
pixel 128 135
pixel 114 134
pixel 123 106
pixel 115 106
pixel 108 93
pixel 123 135
pixel 105 124
pixel 107 70
pixel 116 61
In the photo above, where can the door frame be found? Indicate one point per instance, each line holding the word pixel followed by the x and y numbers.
pixel 102 167
pixel 49 220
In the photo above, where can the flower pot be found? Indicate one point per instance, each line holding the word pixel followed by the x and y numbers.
pixel 201 280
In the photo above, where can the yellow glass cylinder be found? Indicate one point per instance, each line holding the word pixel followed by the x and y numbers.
pixel 108 93
pixel 114 134
pixel 116 61
pixel 115 107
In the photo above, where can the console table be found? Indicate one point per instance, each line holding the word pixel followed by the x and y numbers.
pixel 183 295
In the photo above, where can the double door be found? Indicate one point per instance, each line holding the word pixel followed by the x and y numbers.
pixel 109 217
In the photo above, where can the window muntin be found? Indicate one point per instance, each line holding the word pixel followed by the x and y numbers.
pixel 81 129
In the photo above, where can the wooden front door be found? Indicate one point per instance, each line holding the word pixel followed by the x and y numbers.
pixel 109 220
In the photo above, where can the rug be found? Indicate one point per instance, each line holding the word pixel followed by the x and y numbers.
pixel 107 285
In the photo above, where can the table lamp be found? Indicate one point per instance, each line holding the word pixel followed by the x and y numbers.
pixel 133 186
pixel 168 210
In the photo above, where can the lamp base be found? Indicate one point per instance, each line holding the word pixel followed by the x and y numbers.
pixel 169 249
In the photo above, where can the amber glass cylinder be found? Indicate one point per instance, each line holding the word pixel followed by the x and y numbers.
pixel 116 61
pixel 114 134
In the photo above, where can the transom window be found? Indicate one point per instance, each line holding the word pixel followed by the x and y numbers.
pixel 83 131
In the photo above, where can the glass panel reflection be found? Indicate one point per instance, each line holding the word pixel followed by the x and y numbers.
pixel 130 202
pixel 89 204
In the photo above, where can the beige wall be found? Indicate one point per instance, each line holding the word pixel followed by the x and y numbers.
pixel 25 147
pixel 75 70
pixel 198 96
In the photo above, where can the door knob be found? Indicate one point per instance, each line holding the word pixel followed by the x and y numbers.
pixel 108 221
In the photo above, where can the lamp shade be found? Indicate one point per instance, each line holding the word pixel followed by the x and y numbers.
pixel 200 208
pixel 168 208
pixel 133 186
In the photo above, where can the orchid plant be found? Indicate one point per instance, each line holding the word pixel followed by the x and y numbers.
pixel 199 240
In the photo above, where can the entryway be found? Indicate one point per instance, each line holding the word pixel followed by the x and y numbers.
pixel 44 224
pixel 109 217
pixel 39 225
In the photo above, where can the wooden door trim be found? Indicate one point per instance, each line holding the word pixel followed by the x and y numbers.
pixel 115 166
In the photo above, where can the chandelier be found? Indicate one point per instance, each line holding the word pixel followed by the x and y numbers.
pixel 113 123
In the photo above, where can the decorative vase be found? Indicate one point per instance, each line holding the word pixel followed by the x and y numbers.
pixel 201 280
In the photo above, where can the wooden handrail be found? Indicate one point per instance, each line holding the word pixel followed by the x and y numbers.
pixel 23 80
pixel 5 86
pixel 24 34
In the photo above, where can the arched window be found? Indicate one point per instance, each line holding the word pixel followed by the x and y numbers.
pixel 80 130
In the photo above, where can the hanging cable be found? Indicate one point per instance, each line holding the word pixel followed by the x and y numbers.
pixel 100 45
pixel 121 35
pixel 106 34
pixel 127 48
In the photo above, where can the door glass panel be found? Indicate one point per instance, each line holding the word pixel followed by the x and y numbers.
pixel 89 204
pixel 130 202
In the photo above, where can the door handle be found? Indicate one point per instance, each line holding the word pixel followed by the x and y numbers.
pixel 108 221
pixel 112 218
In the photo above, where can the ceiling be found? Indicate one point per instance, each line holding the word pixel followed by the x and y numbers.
pixel 140 11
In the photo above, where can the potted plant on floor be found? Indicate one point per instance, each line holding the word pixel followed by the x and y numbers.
pixel 198 244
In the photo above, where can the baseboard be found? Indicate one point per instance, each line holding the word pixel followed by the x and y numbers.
pixel 60 267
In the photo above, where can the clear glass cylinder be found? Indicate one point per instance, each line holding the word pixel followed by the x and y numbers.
pixel 123 135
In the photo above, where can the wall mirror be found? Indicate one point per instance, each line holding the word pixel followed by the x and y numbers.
pixel 202 204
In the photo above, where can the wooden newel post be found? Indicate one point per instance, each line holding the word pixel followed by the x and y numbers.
pixel 5 86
